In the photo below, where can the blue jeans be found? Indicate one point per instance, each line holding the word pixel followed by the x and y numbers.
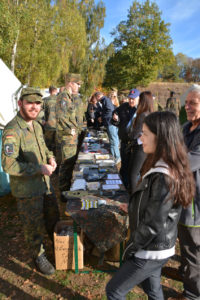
pixel 135 271
pixel 112 132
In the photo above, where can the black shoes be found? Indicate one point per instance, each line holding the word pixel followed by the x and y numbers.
pixel 43 265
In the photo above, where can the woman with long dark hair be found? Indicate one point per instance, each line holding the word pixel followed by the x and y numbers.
pixel 145 106
pixel 92 113
pixel 166 185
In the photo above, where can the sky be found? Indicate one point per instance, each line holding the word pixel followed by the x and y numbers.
pixel 183 15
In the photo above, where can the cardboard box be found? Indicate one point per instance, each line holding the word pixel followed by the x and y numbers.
pixel 64 246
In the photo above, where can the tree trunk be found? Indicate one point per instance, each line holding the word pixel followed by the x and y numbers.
pixel 14 52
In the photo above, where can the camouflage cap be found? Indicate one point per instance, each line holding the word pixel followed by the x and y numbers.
pixel 72 77
pixel 31 94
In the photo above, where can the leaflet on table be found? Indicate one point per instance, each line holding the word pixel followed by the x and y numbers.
pixel 113 176
pixel 93 186
pixel 105 163
pixel 78 184
pixel 113 181
pixel 110 187
pixel 91 166
pixel 102 156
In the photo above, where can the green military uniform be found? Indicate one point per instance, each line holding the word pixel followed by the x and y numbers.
pixel 173 104
pixel 65 122
pixel 80 113
pixel 23 153
pixel 50 122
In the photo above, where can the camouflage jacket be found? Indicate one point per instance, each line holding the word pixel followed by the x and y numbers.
pixel 65 114
pixel 50 112
pixel 79 109
pixel 23 153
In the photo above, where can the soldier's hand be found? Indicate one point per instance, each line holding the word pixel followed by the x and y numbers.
pixel 115 117
pixel 53 163
pixel 47 170
pixel 73 132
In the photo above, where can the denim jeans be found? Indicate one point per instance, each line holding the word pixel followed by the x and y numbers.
pixel 112 132
pixel 133 272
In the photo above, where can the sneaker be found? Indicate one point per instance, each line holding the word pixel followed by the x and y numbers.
pixel 43 265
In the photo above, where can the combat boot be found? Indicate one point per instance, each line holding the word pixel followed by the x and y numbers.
pixel 43 265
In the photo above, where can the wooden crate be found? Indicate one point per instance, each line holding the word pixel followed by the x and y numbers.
pixel 64 247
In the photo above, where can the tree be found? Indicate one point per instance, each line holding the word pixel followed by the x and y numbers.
pixel 142 47
pixel 171 72
pixel 93 68
pixel 8 30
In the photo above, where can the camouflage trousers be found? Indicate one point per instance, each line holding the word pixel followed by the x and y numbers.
pixel 81 137
pixel 38 216
pixel 50 140
pixel 68 151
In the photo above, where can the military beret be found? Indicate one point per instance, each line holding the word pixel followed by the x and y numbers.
pixel 31 94
pixel 72 77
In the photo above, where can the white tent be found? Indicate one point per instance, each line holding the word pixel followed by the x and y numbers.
pixel 9 88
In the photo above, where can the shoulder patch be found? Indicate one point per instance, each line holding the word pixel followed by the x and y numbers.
pixel 9 149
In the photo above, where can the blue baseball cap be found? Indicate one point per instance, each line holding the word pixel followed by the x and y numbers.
pixel 134 93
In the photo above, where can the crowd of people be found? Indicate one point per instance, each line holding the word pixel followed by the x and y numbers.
pixel 160 168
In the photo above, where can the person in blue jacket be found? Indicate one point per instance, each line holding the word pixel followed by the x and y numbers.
pixel 107 109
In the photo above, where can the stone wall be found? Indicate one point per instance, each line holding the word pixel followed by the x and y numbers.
pixel 162 90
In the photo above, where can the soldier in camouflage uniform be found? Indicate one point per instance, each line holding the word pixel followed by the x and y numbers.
pixel 67 130
pixel 28 161
pixel 50 119
pixel 173 104
pixel 80 115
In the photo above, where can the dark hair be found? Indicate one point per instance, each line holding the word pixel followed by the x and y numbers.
pixel 92 98
pixel 172 150
pixel 98 94
pixel 145 104
pixel 52 88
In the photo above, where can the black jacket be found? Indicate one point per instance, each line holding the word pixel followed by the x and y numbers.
pixel 190 216
pixel 153 217
pixel 107 109
pixel 125 113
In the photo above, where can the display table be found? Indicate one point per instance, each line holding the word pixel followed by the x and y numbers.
pixel 97 211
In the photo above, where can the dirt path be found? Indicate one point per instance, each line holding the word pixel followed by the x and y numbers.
pixel 19 279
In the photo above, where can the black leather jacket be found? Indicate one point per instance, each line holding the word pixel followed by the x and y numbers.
pixel 152 216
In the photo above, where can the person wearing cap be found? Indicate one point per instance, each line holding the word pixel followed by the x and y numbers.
pixel 50 119
pixel 67 130
pixel 30 164
pixel 123 117
pixel 80 112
